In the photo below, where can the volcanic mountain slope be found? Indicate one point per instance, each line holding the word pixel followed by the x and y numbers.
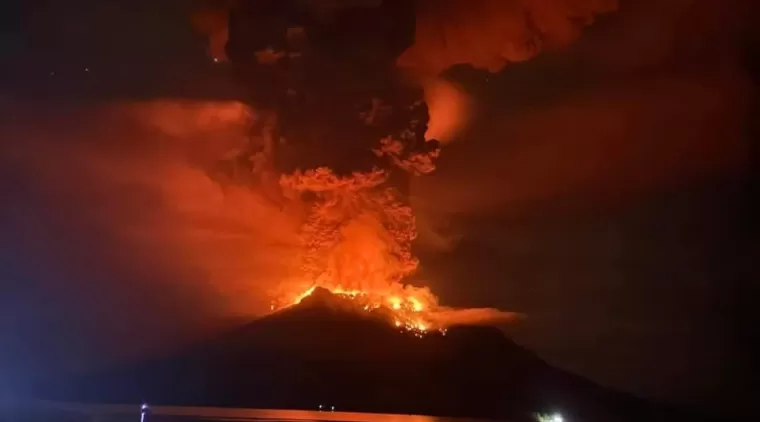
pixel 327 351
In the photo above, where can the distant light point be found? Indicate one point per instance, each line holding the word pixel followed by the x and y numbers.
pixel 216 59
pixel 86 69
pixel 553 417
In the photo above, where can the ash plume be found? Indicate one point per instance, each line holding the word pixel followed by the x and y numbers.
pixel 469 35
pixel 485 34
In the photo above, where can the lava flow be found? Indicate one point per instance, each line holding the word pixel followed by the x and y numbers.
pixel 408 313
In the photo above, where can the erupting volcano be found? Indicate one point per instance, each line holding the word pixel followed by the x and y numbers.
pixel 357 242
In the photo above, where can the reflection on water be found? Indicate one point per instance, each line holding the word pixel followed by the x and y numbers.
pixel 27 410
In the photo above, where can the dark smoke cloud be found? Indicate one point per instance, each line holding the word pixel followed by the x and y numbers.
pixel 485 34
pixel 211 18
pixel 120 230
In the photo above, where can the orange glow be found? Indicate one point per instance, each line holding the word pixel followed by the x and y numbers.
pixel 407 314
pixel 303 295
pixel 489 34
pixel 395 302
pixel 449 108
pixel 356 243
pixel 416 305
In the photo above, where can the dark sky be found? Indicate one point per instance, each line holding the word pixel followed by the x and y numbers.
pixel 604 189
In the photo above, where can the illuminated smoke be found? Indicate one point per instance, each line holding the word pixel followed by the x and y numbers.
pixel 357 236
pixel 356 242
pixel 147 177
pixel 144 177
pixel 449 109
pixel 486 34
pixel 489 34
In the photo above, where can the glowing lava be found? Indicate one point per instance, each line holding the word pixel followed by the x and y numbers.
pixel 408 313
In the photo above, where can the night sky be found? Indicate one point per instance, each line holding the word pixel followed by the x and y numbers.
pixel 604 189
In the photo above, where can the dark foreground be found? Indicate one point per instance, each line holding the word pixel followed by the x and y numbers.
pixel 327 351
pixel 43 411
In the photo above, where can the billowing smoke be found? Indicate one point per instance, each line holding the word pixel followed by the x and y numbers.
pixel 489 34
pixel 485 34
pixel 449 108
